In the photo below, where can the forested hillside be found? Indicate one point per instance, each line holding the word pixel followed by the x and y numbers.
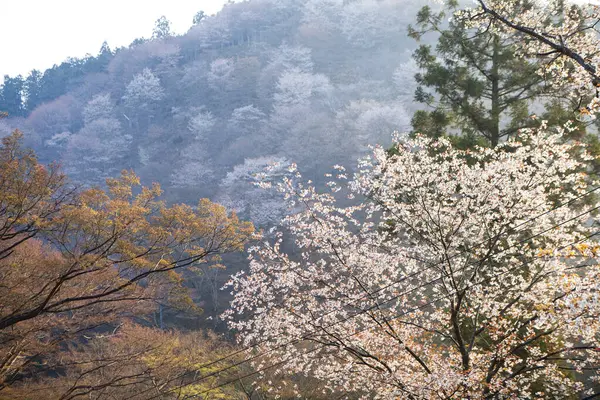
pixel 263 81
pixel 319 199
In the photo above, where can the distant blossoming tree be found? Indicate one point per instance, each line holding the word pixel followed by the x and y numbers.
pixel 96 151
pixel 456 274
pixel 240 189
pixel 194 165
pixel 143 90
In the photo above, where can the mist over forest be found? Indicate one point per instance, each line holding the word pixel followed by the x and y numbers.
pixel 234 101
pixel 260 82
pixel 318 199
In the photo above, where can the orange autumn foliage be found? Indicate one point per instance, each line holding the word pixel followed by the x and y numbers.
pixel 73 261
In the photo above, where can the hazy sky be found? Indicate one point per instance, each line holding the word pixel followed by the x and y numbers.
pixel 40 33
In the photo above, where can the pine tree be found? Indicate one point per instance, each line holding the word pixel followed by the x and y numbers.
pixel 472 81
pixel 33 88
pixel 11 96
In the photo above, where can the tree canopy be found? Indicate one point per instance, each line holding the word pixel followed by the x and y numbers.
pixel 76 261
pixel 454 274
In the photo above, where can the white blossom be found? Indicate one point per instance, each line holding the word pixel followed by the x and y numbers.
pixel 435 282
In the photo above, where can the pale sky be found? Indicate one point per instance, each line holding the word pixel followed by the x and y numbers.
pixel 40 33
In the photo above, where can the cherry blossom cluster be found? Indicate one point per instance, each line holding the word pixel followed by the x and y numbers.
pixel 433 272
pixel 562 34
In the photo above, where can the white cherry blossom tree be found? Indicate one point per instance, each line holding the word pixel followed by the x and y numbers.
pixel 240 190
pixel 455 274
pixel 201 124
pixel 143 91
pixel 100 148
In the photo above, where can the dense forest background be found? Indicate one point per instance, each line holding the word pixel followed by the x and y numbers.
pixel 261 83
pixel 310 82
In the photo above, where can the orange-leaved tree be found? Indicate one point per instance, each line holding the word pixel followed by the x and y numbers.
pixel 137 362
pixel 75 262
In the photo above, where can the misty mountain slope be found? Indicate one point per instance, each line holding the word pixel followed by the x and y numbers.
pixel 262 82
